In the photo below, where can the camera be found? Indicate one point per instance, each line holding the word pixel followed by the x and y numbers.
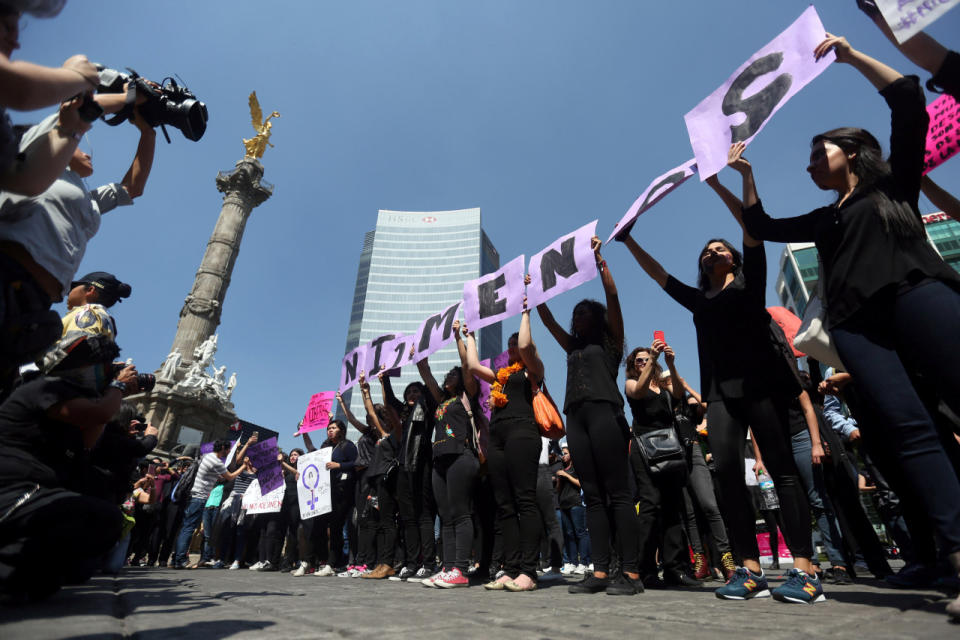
pixel 145 381
pixel 171 104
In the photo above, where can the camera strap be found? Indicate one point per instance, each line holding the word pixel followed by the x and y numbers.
pixel 127 111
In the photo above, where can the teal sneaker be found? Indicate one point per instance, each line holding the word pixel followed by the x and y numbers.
pixel 744 585
pixel 800 588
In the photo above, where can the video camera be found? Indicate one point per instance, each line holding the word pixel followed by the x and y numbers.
pixel 170 104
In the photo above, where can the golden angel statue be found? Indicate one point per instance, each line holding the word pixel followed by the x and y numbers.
pixel 258 143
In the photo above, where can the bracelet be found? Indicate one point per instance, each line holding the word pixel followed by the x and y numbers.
pixel 116 384
pixel 76 135
pixel 602 265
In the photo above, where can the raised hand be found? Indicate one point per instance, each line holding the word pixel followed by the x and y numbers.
pixel 735 159
pixel 838 44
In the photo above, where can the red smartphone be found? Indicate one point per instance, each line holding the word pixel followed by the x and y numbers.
pixel 658 335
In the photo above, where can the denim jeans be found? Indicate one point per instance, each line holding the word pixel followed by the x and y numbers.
pixel 812 478
pixel 191 518
pixel 576 540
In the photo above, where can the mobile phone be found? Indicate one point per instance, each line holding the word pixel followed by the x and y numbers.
pixel 152 470
pixel 658 335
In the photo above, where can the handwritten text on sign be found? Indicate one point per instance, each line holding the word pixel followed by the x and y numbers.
pixel 495 296
pixel 436 331
pixel 566 263
pixel 313 487
pixel 653 194
pixel 254 501
pixel 943 136
pixel 907 18
pixel 263 456
pixel 318 412
pixel 351 366
pixel 738 111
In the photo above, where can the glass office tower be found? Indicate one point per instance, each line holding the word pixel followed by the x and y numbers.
pixel 413 265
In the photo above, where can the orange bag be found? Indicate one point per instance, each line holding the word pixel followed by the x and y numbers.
pixel 546 413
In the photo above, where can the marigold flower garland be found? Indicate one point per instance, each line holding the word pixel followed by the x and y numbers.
pixel 497 397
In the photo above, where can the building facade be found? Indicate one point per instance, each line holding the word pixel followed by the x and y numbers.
pixel 412 265
pixel 799 271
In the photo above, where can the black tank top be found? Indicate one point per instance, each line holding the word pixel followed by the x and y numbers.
pixel 519 405
pixel 592 376
pixel 651 412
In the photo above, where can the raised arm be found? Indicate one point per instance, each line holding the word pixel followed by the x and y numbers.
pixel 386 388
pixel 678 384
pixel 429 381
pixel 473 361
pixel 876 72
pixel 352 419
pixel 637 388
pixel 136 177
pixel 470 384
pixel 614 314
pixel 308 443
pixel 368 405
pixel 527 347
pixel 242 452
pixel 559 333
pixel 646 262
pixel 921 49
pixel 736 160
pixel 944 201
pixel 25 86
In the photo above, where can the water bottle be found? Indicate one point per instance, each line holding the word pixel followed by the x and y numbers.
pixel 768 492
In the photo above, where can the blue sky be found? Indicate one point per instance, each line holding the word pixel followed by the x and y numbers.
pixel 545 114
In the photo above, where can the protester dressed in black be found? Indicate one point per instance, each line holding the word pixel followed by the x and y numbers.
pixel 363 545
pixel 514 454
pixel 598 434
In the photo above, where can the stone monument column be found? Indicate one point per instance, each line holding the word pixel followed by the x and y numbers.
pixel 200 315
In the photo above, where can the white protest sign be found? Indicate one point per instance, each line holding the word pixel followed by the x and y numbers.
pixel 907 18
pixel 255 503
pixel 313 487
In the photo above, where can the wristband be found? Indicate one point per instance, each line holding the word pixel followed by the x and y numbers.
pixel 116 384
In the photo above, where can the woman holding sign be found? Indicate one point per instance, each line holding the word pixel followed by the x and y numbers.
pixel 514 454
pixel 893 304
pixel 747 381
pixel 597 432
pixel 456 464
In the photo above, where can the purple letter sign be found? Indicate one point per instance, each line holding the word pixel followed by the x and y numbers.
pixel 351 367
pixel 569 257
pixel 495 296
pixel 653 194
pixel 435 331
pixel 728 115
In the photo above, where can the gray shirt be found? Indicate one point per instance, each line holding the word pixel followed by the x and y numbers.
pixel 55 226
pixel 211 468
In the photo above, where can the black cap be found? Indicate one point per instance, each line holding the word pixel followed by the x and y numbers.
pixel 111 289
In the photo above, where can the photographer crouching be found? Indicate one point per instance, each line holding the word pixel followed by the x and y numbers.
pixel 51 534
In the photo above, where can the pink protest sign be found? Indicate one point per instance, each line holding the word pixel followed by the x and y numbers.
pixel 318 412
pixel 435 331
pixel 351 367
pixel 653 194
pixel 566 263
pixel 943 136
pixel 732 114
pixel 495 296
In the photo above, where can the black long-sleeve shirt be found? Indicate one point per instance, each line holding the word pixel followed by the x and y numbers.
pixel 860 258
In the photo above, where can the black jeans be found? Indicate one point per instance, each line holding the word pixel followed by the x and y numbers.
pixel 728 420
pixel 417 512
pixel 367 517
pixel 660 524
pixel 454 477
pixel 598 436
pixel 914 330
pixel 387 519
pixel 512 461
pixel 700 487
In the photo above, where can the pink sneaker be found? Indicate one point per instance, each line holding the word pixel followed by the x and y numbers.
pixel 451 579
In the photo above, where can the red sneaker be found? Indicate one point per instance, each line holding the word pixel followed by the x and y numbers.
pixel 451 579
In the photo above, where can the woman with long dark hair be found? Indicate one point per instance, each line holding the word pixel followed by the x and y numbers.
pixel 456 464
pixel 892 303
pixel 598 434
pixel 746 380
pixel 514 454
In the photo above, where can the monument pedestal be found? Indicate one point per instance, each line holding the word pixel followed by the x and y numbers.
pixel 169 408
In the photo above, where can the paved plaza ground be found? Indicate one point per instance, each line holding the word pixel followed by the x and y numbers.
pixel 150 603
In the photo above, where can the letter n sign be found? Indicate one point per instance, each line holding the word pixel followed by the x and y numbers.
pixel 567 263
pixel 495 296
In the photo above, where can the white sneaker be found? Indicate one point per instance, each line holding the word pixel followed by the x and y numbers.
pixel 568 569
pixel 359 570
pixel 590 567
pixel 580 570
pixel 301 570
pixel 324 571
pixel 346 572
pixel 255 566
pixel 429 582
pixel 550 574
pixel 234 566
pixel 265 566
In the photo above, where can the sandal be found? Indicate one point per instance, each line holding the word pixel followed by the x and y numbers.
pixel 510 585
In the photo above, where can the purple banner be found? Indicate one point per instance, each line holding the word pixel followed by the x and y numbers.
pixel 566 263
pixel 351 366
pixel 435 331
pixel 653 194
pixel 379 354
pixel 207 447
pixel 943 136
pixel 495 296
pixel 263 456
pixel 734 114
pixel 397 353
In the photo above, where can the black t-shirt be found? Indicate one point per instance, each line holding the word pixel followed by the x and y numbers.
pixel 366 447
pixel 519 405
pixel 453 431
pixel 34 447
pixel 651 412
pixel 797 421
pixel 860 258
pixel 417 432
pixel 738 353
pixel 568 494
pixel 592 375
pixel 383 457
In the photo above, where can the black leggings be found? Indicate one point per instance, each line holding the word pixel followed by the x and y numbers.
pixel 512 464
pixel 598 436
pixel 387 522
pixel 366 552
pixel 767 418
pixel 417 512
pixel 454 477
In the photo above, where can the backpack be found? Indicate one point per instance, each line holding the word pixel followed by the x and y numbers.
pixel 182 492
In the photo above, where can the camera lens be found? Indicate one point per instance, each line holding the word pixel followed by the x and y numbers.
pixel 146 381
